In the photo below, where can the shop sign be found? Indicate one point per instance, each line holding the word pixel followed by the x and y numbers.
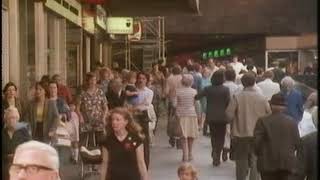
pixel 216 53
pixel 101 17
pixel 69 9
pixel 137 31
pixel 88 22
pixel 119 25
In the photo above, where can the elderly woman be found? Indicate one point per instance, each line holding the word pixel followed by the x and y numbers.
pixel 42 114
pixel 187 116
pixel 293 97
pixel 92 105
pixel 13 134
pixel 10 97
pixel 218 97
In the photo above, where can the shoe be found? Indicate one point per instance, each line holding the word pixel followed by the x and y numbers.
pixel 172 142
pixel 224 154
pixel 215 163
pixel 190 157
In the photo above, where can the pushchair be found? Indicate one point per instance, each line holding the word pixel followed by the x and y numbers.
pixel 90 152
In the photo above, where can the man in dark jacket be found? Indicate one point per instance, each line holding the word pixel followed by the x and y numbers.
pixel 276 140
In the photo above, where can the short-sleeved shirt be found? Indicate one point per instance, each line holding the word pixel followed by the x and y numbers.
pixel 92 107
pixel 122 164
pixel 185 102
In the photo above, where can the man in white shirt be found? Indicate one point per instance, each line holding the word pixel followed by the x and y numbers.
pixel 268 87
pixel 212 66
pixel 236 65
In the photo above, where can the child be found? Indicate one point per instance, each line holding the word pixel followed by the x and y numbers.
pixel 186 171
pixel 73 129
pixel 130 89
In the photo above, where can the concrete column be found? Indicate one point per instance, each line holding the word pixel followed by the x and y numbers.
pixel 41 39
pixel 106 53
pixel 14 42
pixel 88 54
pixel 63 49
pixel 5 47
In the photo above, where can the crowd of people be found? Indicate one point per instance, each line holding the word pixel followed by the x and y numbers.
pixel 255 118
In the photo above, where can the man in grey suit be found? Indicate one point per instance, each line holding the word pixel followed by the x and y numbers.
pixel 276 140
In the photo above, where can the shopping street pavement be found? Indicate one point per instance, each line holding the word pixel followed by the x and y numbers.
pixel 165 160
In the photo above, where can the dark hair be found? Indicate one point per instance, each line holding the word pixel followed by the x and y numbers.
pixel 259 70
pixel 217 77
pixel 45 78
pixel 42 84
pixel 145 74
pixel 268 74
pixel 55 76
pixel 53 82
pixel 90 75
pixel 6 87
pixel 190 68
pixel 248 79
pixel 250 67
pixel 197 67
pixel 230 74
pixel 176 70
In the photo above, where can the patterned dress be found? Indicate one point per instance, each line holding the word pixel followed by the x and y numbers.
pixel 92 108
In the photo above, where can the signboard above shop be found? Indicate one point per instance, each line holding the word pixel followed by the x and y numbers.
pixel 216 53
pixel 69 9
pixel 119 25
pixel 101 17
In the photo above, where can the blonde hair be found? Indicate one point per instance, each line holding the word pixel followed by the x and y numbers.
pixel 188 166
pixel 13 110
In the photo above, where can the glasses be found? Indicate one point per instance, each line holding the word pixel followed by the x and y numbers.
pixel 30 169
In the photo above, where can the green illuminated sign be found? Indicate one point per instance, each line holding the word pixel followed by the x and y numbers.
pixel 217 53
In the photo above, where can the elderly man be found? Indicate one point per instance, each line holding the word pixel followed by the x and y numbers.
pixel 34 160
pixel 293 97
pixel 276 142
pixel 13 134
pixel 268 87
pixel 245 108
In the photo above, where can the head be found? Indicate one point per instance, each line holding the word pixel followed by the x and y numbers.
pixel 40 90
pixel 268 75
pixel 250 67
pixel 217 78
pixel 248 80
pixel 186 171
pixel 187 80
pixel 206 72
pixel 72 106
pixel 190 68
pixel 57 78
pixel 45 78
pixel 287 83
pixel 235 59
pixel 197 67
pixel 105 74
pixel 259 71
pixel 11 117
pixel 10 90
pixel 142 79
pixel 131 77
pixel 91 80
pixel 278 103
pixel 230 75
pixel 211 63
pixel 176 70
pixel 155 67
pixel 121 119
pixel 53 89
pixel 189 62
pixel 115 85
pixel 35 160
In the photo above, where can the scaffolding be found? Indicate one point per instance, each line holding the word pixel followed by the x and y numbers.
pixel 152 43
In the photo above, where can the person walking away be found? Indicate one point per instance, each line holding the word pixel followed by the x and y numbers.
pixel 267 86
pixel 293 97
pixel 276 142
pixel 205 81
pixel 245 109
pixel 187 117
pixel 230 75
pixel 218 97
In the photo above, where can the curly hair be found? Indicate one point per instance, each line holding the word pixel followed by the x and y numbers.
pixel 188 166
pixel 132 126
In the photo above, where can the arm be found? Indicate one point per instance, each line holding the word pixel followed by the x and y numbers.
pixel 147 101
pixel 232 108
pixel 78 105
pixel 259 134
pixel 55 118
pixel 134 93
pixel 141 163
pixel 104 164
pixel 201 94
